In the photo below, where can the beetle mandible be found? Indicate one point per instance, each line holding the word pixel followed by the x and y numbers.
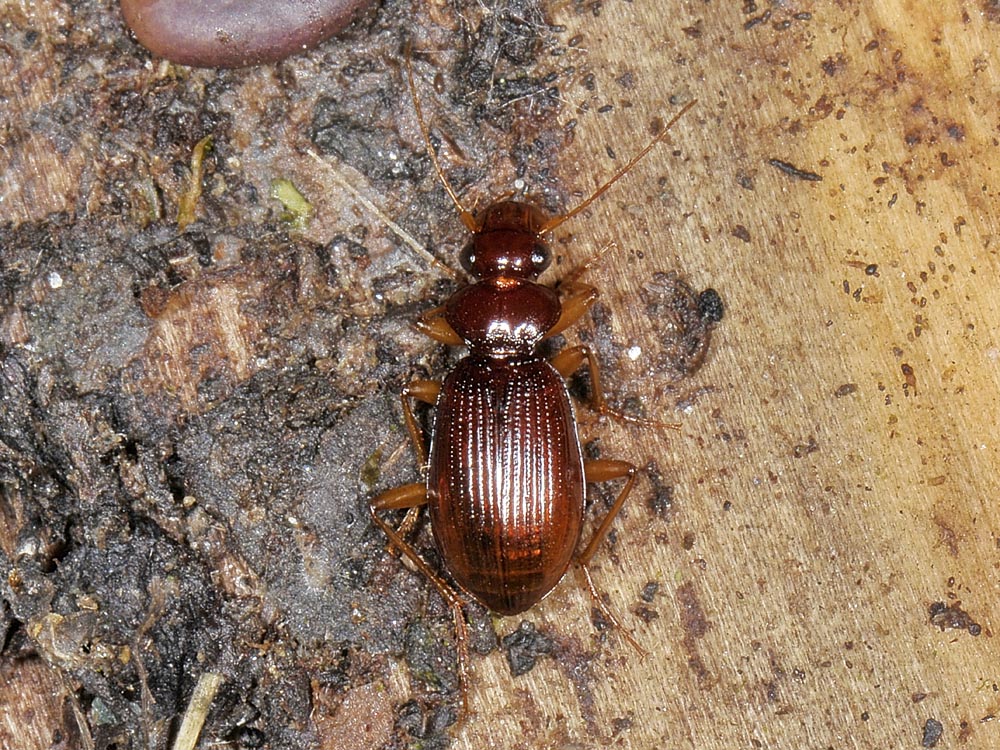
pixel 506 479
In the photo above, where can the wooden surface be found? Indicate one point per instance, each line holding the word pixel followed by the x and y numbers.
pixel 33 709
pixel 836 470
pixel 824 498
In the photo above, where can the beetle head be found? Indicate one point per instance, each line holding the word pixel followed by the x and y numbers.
pixel 507 243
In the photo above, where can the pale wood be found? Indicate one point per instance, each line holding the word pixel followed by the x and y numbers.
pixel 816 583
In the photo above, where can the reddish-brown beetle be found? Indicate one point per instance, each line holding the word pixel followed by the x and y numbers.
pixel 506 479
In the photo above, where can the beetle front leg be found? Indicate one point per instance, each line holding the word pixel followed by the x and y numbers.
pixel 433 323
pixel 579 300
pixel 412 497
pixel 578 297
pixel 605 470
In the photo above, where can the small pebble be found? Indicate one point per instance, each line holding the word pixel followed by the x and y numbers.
pixel 235 33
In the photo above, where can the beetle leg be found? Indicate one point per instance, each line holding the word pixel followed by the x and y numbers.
pixel 579 299
pixel 414 496
pixel 569 360
pixel 604 470
pixel 570 280
pixel 432 323
pixel 411 496
pixel 577 296
pixel 420 390
pixel 426 391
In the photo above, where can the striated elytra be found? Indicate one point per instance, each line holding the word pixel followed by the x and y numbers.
pixel 235 33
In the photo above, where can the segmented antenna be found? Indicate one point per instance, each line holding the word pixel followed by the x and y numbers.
pixel 557 220
pixel 466 215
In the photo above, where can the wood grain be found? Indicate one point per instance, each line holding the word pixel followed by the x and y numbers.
pixel 34 713
pixel 841 474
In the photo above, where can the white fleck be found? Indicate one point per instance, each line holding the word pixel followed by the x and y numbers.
pixel 28 548
pixel 634 352
pixel 55 280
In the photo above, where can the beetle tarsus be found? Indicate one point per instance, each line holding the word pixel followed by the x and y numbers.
pixel 610 616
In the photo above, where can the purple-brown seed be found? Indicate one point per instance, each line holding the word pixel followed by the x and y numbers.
pixel 235 33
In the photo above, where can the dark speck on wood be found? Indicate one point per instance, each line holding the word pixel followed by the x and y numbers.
pixel 793 171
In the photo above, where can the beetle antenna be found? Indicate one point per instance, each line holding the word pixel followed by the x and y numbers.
pixel 571 278
pixel 408 239
pixel 467 218
pixel 557 220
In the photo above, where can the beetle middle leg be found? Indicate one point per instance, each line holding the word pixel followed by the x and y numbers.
pixel 569 360
pixel 426 391
pixel 566 363
pixel 606 470
pixel 419 390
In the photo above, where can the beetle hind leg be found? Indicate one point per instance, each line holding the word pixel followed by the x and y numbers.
pixel 605 470
pixel 412 497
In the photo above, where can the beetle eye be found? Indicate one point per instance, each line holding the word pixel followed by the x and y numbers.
pixel 468 259
pixel 540 257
